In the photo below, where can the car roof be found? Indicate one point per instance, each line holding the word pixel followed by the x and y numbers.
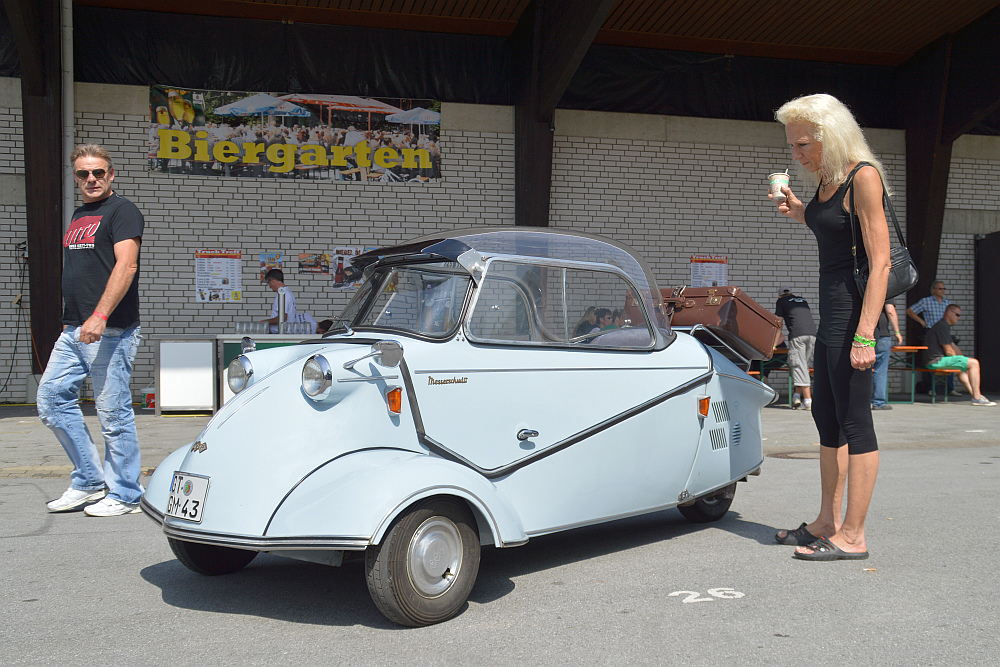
pixel 544 243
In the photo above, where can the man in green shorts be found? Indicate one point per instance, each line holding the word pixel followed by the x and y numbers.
pixel 943 353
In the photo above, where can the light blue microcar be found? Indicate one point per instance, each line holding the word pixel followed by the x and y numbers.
pixel 477 390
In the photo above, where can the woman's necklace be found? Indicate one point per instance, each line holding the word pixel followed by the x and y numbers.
pixel 823 185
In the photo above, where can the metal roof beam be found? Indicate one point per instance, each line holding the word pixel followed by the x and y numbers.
pixel 547 47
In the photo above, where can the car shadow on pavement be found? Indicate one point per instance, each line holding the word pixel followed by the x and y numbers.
pixel 301 592
pixel 277 588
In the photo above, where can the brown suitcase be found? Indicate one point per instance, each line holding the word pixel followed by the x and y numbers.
pixel 742 323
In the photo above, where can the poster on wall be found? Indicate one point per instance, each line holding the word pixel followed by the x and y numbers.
pixel 341 260
pixel 709 270
pixel 314 263
pixel 293 135
pixel 218 276
pixel 268 261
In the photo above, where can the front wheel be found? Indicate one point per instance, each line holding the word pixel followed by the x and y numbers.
pixel 711 507
pixel 209 559
pixel 424 569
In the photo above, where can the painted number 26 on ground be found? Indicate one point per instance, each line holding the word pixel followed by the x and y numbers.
pixel 722 593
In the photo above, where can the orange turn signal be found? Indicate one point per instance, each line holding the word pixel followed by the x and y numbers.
pixel 394 400
pixel 703 402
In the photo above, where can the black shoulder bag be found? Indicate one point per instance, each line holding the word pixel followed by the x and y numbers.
pixel 903 274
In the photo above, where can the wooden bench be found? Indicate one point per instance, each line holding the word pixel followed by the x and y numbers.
pixel 938 372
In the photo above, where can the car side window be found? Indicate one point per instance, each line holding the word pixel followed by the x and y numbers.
pixel 554 305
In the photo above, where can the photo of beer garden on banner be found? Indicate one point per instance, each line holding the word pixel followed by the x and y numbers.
pixel 297 135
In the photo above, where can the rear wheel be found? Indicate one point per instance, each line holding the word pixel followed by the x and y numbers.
pixel 424 569
pixel 711 507
pixel 209 559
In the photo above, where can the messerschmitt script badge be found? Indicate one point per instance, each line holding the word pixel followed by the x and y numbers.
pixel 199 446
pixel 431 380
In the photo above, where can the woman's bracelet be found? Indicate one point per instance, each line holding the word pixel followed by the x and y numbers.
pixel 865 342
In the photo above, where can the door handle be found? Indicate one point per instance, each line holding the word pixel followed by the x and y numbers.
pixel 526 433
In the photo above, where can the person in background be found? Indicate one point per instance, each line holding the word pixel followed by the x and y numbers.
pixel 886 330
pixel 927 312
pixel 275 279
pixel 324 326
pixel 943 353
pixel 587 322
pixel 99 340
pixel 830 146
pixel 801 344
pixel 603 316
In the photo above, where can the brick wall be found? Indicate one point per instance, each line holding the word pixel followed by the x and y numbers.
pixel 666 197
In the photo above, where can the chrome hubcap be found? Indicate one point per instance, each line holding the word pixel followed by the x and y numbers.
pixel 434 557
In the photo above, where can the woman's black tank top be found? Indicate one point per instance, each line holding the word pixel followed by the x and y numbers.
pixel 839 299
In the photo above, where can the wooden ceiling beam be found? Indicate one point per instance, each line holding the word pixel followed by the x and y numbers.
pixel 317 15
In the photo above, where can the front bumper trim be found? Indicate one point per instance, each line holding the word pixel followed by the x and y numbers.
pixel 312 543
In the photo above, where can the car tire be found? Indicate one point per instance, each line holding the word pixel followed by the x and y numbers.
pixel 711 507
pixel 424 569
pixel 210 560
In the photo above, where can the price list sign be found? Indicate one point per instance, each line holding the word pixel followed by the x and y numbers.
pixel 709 270
pixel 218 276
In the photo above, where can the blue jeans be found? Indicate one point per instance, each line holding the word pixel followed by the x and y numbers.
pixel 880 371
pixel 108 362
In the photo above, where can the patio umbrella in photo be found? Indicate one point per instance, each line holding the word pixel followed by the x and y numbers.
pixel 416 116
pixel 263 104
pixel 343 103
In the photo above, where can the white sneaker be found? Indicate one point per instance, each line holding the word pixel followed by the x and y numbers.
pixel 111 507
pixel 796 401
pixel 982 400
pixel 807 404
pixel 73 498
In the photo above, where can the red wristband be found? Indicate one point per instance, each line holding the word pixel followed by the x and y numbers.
pixel 101 315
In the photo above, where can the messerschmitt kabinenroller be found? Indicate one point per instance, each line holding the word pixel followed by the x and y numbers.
pixel 475 391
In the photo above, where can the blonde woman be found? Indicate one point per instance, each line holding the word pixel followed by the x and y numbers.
pixel 829 145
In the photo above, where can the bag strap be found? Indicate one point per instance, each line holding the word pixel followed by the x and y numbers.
pixel 886 203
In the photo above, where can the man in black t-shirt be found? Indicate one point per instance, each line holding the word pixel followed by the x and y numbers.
pixel 943 353
pixel 100 285
pixel 801 343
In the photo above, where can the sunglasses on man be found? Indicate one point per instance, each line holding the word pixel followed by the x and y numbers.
pixel 83 174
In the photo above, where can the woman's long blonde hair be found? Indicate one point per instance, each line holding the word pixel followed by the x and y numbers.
pixel 834 126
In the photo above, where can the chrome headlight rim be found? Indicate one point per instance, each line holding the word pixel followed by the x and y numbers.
pixel 319 385
pixel 239 374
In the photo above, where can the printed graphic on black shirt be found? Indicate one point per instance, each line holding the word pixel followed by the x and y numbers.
pixel 81 232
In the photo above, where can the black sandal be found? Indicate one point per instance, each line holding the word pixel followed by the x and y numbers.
pixel 800 537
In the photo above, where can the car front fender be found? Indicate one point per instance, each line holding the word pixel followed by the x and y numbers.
pixel 361 493
pixel 158 488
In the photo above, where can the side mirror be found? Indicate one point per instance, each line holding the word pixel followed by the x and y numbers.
pixel 387 353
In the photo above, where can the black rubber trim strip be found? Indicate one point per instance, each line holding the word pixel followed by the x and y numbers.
pixel 494 473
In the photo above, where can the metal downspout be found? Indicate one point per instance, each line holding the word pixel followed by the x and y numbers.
pixel 68 125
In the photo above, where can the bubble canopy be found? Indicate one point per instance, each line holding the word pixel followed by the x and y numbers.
pixel 526 242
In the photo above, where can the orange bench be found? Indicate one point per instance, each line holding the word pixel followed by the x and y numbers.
pixel 942 372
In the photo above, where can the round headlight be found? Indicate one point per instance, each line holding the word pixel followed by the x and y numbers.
pixel 317 377
pixel 238 374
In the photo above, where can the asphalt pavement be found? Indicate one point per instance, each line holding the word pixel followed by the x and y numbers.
pixel 648 590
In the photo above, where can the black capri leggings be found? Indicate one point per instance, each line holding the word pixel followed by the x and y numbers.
pixel 842 398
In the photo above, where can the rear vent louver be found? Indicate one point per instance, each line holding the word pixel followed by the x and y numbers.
pixel 718 437
pixel 737 434
pixel 721 411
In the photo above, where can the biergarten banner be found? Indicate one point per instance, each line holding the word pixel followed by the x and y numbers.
pixel 294 135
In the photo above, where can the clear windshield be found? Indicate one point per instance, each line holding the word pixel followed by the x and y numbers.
pixel 424 299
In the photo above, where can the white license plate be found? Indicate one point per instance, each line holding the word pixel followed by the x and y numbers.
pixel 187 496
